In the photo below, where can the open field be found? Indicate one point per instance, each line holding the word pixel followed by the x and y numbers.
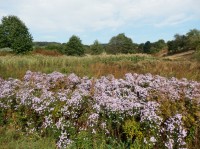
pixel 148 110
pixel 95 66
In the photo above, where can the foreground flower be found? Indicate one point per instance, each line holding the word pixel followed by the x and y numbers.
pixel 68 104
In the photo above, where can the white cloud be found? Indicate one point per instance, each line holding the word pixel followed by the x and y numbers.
pixel 174 20
pixel 49 16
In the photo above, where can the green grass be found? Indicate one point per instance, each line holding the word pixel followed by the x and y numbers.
pixel 16 66
pixel 12 139
pixel 96 66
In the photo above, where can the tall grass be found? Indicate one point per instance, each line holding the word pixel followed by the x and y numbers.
pixel 16 66
pixel 95 66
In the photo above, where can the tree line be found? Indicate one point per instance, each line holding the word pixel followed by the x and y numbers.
pixel 15 35
pixel 181 43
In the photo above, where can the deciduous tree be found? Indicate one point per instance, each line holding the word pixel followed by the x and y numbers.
pixel 147 47
pixel 120 44
pixel 96 48
pixel 74 46
pixel 15 35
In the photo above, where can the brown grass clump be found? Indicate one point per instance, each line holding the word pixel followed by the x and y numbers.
pixel 4 53
pixel 46 52
pixel 178 69
pixel 161 53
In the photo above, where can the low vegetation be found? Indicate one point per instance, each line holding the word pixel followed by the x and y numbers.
pixel 136 111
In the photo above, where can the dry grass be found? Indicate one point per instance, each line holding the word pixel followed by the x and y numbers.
pixel 161 53
pixel 96 66
pixel 46 52
pixel 186 69
pixel 5 53
pixel 181 56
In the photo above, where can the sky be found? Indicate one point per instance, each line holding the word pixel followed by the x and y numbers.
pixel 141 20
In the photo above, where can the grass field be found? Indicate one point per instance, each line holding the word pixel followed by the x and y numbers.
pixel 95 66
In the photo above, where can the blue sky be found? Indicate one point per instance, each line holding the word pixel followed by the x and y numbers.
pixel 141 20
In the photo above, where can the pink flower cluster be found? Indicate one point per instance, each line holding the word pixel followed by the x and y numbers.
pixel 70 97
pixel 175 132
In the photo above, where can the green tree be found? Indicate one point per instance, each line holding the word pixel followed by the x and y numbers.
pixel 140 48
pixel 3 40
pixel 96 48
pixel 147 47
pixel 193 39
pixel 120 44
pixel 157 46
pixel 15 35
pixel 160 44
pixel 74 46
pixel 179 44
pixel 171 47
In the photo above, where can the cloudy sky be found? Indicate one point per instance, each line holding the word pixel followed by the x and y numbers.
pixel 142 20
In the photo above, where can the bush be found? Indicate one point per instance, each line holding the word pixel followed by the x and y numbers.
pixel 55 47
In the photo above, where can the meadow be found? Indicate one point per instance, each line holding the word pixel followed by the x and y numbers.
pixel 108 101
pixel 96 66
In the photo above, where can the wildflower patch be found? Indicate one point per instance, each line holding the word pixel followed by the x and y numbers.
pixel 129 110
